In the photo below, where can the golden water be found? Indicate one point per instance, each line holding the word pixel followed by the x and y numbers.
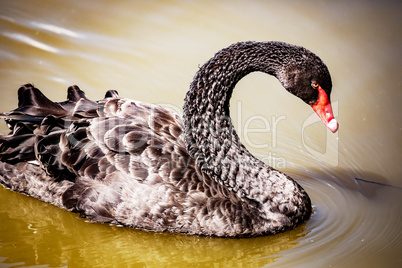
pixel 149 51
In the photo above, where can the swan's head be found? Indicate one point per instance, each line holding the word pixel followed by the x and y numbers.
pixel 308 78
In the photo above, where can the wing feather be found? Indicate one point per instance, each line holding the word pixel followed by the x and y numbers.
pixel 115 160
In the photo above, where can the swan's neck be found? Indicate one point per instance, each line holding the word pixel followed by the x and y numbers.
pixel 210 135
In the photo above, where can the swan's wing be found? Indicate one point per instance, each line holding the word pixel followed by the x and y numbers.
pixel 130 157
pixel 133 132
pixel 126 163
pixel 129 135
pixel 37 124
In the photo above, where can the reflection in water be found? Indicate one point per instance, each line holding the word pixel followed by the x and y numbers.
pixel 149 51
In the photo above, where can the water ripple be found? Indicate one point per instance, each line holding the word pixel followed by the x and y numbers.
pixel 349 220
pixel 30 41
pixel 56 29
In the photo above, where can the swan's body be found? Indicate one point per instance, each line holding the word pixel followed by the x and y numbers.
pixel 139 165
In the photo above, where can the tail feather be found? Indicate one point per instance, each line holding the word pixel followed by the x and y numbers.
pixel 74 94
pixel 31 101
pixel 39 132
pixel 14 149
pixel 33 106
pixel 111 93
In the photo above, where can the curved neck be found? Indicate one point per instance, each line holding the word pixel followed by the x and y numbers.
pixel 210 136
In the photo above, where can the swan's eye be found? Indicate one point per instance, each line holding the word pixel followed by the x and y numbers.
pixel 315 85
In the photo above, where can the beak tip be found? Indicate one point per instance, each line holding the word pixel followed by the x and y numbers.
pixel 333 125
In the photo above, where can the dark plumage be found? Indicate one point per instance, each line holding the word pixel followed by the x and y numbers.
pixel 137 164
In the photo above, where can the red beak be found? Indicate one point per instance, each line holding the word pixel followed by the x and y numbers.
pixel 324 110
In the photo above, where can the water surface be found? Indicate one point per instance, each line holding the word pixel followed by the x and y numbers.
pixel 149 51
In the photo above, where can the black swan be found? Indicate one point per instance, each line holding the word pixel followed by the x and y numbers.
pixel 141 165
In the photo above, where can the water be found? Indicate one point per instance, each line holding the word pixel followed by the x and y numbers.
pixel 149 51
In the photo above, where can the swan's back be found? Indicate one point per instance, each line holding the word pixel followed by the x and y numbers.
pixel 124 162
